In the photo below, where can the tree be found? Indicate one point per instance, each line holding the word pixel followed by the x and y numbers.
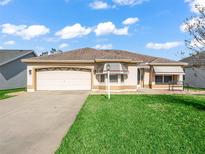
pixel 195 25
pixel 44 53
pixel 53 51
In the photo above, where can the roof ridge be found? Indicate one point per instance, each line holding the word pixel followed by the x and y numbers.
pixel 13 50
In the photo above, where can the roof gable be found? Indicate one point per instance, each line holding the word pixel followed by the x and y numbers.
pixel 10 55
pixel 195 60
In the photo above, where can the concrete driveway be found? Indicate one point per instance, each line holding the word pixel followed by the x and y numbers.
pixel 35 123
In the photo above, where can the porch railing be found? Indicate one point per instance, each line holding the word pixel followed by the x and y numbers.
pixel 173 85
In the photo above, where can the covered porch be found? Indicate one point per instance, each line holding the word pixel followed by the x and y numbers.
pixel 167 77
pixel 160 77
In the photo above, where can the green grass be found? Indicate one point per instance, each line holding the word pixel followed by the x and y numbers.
pixel 4 93
pixel 138 124
pixel 196 89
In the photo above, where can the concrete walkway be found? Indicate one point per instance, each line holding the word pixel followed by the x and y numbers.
pixel 35 123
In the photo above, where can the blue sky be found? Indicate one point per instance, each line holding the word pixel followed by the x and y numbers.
pixel 152 26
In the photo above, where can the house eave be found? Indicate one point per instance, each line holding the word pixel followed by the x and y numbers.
pixel 168 64
pixel 79 61
pixel 56 61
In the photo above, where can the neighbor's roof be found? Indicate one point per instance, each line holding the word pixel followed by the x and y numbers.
pixel 195 60
pixel 94 55
pixel 7 56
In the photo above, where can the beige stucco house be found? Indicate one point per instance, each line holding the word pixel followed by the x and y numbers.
pixel 86 69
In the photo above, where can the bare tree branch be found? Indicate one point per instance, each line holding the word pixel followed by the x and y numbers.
pixel 195 25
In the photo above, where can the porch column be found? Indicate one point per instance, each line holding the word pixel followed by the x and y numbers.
pixel 138 77
pixel 151 77
pixel 119 79
pixel 92 79
pixel 181 77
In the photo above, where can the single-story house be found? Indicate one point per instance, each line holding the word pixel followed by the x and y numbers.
pixel 86 69
pixel 195 71
pixel 12 70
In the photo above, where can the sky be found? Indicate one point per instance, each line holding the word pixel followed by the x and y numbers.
pixel 151 27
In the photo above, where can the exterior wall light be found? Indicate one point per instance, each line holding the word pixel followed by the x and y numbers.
pixel 30 72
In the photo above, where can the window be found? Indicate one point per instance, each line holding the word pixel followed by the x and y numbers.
pixel 122 78
pixel 163 79
pixel 158 79
pixel 113 78
pixel 167 79
pixel 102 78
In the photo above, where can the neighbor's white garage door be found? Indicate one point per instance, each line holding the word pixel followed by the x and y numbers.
pixel 63 80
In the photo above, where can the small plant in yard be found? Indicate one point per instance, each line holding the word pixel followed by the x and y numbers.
pixel 138 124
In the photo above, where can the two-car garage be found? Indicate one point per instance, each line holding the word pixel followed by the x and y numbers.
pixel 63 79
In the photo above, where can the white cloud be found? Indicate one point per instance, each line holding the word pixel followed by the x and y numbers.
pixel 99 5
pixel 10 42
pixel 63 45
pixel 129 2
pixel 34 31
pixel 121 31
pixel 24 31
pixel 12 29
pixel 165 46
pixel 105 28
pixel 1 47
pixel 51 39
pixel 103 46
pixel 4 2
pixel 73 31
pixel 109 28
pixel 193 3
pixel 130 21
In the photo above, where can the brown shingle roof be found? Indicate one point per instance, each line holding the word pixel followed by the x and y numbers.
pixel 93 54
pixel 196 60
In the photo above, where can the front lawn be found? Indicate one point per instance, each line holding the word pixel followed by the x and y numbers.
pixel 138 124
pixel 4 93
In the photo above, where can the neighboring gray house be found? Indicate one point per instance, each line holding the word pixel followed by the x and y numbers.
pixel 12 70
pixel 195 71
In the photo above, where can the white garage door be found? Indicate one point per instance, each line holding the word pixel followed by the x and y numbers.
pixel 63 80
